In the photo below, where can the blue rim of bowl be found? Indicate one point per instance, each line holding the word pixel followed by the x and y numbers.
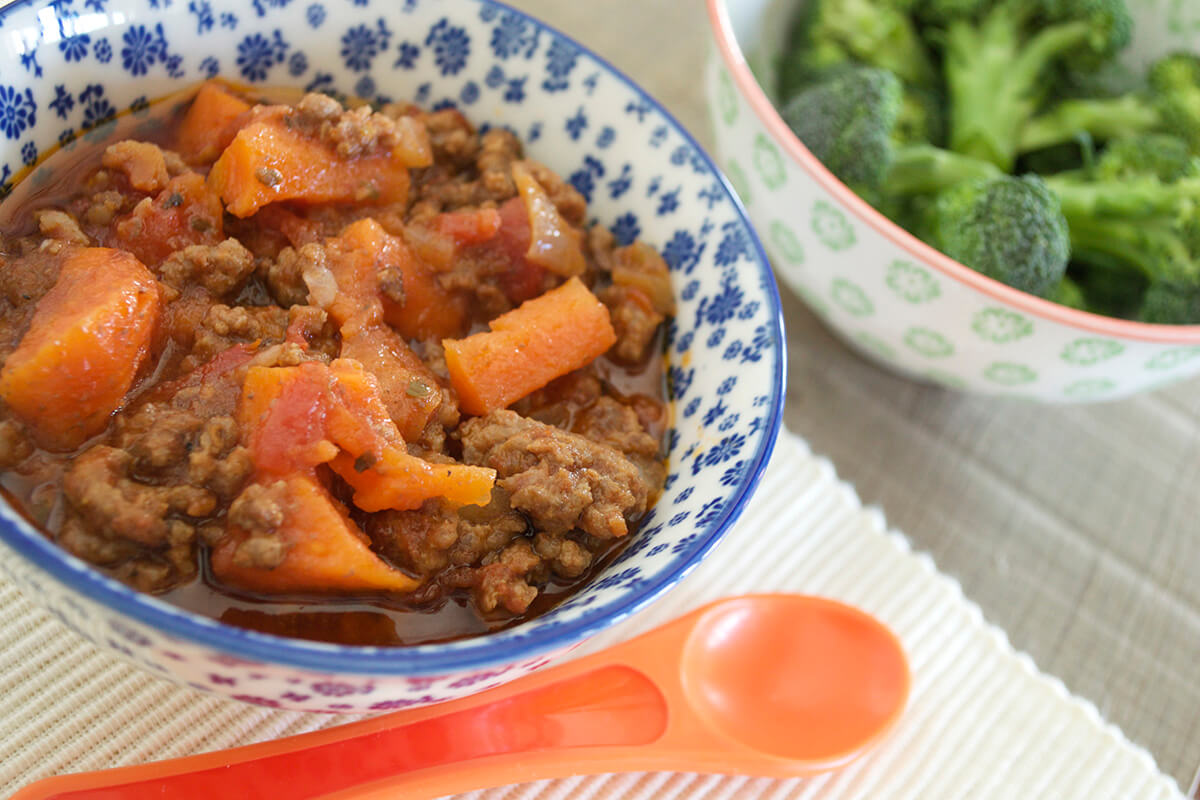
pixel 478 652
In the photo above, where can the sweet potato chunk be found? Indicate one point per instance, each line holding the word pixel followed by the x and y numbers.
pixel 528 347
pixel 88 338
pixel 407 387
pixel 295 418
pixel 363 256
pixel 211 122
pixel 394 479
pixel 268 162
pixel 319 549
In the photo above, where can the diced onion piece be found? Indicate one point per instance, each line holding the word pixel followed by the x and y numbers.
pixel 639 266
pixel 553 244
pixel 322 286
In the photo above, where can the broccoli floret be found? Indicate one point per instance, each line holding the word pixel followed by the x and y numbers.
pixel 1109 288
pixel 878 33
pixel 1171 303
pixel 849 121
pixel 1166 252
pixel 1009 228
pixel 935 12
pixel 1169 104
pixel 999 58
pixel 1164 157
pixel 804 61
pixel 1138 222
pixel 1134 221
pixel 1068 293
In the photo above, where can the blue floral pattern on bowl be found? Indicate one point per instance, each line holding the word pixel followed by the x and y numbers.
pixel 90 68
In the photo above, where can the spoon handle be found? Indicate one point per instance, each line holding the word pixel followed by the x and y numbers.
pixel 599 708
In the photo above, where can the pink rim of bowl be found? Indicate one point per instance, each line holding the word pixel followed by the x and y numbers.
pixel 735 61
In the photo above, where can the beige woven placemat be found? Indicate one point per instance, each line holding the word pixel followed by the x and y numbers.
pixel 983 723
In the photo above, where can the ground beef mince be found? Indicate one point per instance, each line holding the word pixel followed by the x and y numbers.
pixel 272 397
pixel 562 480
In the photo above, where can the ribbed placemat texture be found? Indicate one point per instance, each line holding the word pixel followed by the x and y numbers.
pixel 982 723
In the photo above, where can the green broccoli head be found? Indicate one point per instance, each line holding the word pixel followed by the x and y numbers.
pixel 1167 158
pixel 1108 27
pixel 1009 228
pixel 847 122
pixel 878 33
pixel 1175 81
pixel 1128 253
pixel 806 62
pixel 939 12
pixel 1109 287
pixel 856 121
pixel 1171 303
pixel 1068 293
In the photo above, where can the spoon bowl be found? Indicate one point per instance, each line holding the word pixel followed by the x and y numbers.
pixel 775 685
pixel 795 677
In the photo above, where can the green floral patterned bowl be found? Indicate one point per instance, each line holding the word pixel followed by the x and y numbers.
pixel 888 294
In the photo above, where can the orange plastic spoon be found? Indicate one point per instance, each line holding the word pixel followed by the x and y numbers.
pixel 773 685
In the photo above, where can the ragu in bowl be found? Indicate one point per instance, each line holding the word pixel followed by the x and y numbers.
pixel 382 394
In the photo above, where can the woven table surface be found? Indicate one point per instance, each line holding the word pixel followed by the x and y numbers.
pixel 1072 528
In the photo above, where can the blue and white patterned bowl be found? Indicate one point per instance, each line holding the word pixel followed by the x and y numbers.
pixel 72 67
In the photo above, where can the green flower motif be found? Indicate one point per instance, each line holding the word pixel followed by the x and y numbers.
pixel 737 176
pixel 1173 358
pixel 1086 352
pixel 727 104
pixel 912 283
pixel 786 243
pixel 999 326
pixel 1006 373
pixel 768 162
pixel 928 343
pixel 851 298
pixel 831 226
pixel 1090 387
pixel 873 344
pixel 948 379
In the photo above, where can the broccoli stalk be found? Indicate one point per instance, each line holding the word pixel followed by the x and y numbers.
pixel 1170 104
pixel 996 63
pixel 1103 119
pixel 925 169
